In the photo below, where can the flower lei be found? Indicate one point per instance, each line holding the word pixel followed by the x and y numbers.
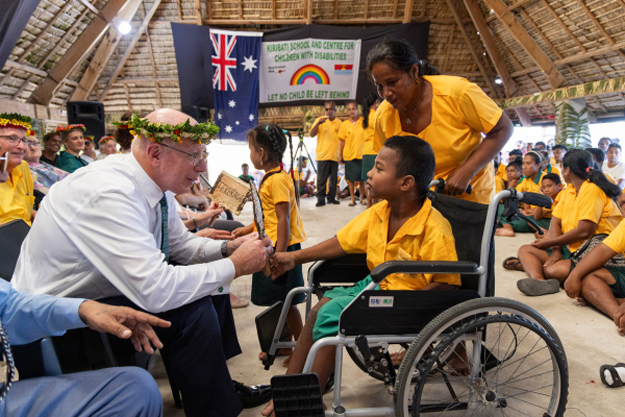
pixel 156 132
pixel 60 129
pixel 121 125
pixel 15 120
pixel 105 139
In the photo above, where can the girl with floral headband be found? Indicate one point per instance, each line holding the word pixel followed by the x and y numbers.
pixel 72 136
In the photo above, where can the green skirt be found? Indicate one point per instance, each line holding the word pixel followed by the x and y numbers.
pixel 327 323
pixel 368 162
pixel 618 288
pixel 353 170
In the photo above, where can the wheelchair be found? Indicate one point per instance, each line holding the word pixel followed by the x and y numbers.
pixel 468 353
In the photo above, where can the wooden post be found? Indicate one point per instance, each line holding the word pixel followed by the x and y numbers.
pixel 408 11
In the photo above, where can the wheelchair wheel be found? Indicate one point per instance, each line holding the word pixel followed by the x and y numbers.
pixel 516 366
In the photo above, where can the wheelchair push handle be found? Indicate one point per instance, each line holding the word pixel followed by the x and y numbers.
pixel 439 186
pixel 535 199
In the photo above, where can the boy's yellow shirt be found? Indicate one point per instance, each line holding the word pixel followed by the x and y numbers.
pixel 461 112
pixel 501 172
pixel 591 204
pixel 367 146
pixel 353 135
pixel 500 185
pixel 425 236
pixel 278 188
pixel 16 195
pixel 616 240
pixel 328 146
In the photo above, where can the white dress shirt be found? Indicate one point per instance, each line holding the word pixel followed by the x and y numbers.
pixel 98 234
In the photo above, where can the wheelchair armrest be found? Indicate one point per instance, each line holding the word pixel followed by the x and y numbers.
pixel 424 267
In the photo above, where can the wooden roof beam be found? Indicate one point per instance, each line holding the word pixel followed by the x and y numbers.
pixel 103 53
pixel 158 89
pixel 179 9
pixel 453 7
pixel 487 36
pixel 596 22
pixel 519 33
pixel 408 11
pixel 44 93
pixel 557 18
pixel 510 8
pixel 122 62
pixel 448 49
pixel 198 12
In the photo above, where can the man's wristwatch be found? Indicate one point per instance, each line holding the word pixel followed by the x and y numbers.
pixel 224 249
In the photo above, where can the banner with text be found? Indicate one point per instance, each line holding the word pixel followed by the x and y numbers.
pixel 309 69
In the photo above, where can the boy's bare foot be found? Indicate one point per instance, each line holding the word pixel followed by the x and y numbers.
pixel 268 411
pixel 582 301
pixel 281 352
pixel 397 357
pixel 504 231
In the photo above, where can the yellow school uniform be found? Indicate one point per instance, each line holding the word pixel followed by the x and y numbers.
pixel 461 112
pixel 500 184
pixel 616 240
pixel 501 172
pixel 548 213
pixel 328 146
pixel 367 146
pixel 552 169
pixel 353 135
pixel 425 236
pixel 16 195
pixel 529 185
pixel 590 203
pixel 278 188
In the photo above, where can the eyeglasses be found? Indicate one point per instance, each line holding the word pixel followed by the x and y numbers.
pixel 33 143
pixel 197 156
pixel 330 109
pixel 14 140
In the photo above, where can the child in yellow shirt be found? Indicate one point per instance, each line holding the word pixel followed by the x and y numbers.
pixel 586 208
pixel 282 221
pixel 403 226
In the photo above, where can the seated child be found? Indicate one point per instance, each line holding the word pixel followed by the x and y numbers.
pixel 246 174
pixel 403 226
pixel 532 176
pixel 514 172
pixel 551 187
pixel 547 167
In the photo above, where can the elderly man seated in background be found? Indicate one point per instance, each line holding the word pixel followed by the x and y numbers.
pixel 17 193
pixel 114 228
pixel 108 146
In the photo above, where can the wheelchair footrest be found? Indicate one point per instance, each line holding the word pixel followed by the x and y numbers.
pixel 297 395
pixel 266 323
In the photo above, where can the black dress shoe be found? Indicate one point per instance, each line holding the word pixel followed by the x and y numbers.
pixel 252 396
pixel 334 202
pixel 320 204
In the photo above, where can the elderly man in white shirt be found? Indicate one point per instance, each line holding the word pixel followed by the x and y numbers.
pixel 99 234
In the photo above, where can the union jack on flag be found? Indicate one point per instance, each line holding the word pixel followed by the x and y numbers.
pixel 223 45
pixel 235 62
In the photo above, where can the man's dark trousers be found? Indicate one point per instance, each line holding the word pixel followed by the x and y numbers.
pixel 326 170
pixel 201 338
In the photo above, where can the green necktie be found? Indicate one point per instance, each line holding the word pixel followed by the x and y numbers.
pixel 164 230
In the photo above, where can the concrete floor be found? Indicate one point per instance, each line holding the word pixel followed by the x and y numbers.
pixel 590 338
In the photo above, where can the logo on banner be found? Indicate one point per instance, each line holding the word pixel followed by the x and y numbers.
pixel 343 69
pixel 309 69
pixel 310 72
pixel 222 47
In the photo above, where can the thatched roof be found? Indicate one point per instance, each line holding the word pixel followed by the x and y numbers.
pixel 534 46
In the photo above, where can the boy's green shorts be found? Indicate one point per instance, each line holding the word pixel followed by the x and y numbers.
pixel 327 324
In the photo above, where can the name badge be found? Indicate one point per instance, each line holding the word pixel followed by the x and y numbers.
pixel 380 301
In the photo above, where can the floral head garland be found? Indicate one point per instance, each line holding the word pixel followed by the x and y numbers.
pixel 105 139
pixel 15 120
pixel 91 138
pixel 30 132
pixel 156 132
pixel 70 127
pixel 122 125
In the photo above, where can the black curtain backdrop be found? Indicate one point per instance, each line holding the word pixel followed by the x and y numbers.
pixel 194 50
pixel 14 15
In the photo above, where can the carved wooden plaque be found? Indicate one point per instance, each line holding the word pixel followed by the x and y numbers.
pixel 230 192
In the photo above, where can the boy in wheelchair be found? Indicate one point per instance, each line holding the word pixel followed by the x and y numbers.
pixel 403 226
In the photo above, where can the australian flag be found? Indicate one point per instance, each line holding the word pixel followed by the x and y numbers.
pixel 235 61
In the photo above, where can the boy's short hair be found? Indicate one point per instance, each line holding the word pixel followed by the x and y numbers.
pixel 517 163
pixel 540 143
pixel 515 152
pixel 615 145
pixel 553 177
pixel 415 158
pixel 245 166
pixel 560 147
pixel 598 154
